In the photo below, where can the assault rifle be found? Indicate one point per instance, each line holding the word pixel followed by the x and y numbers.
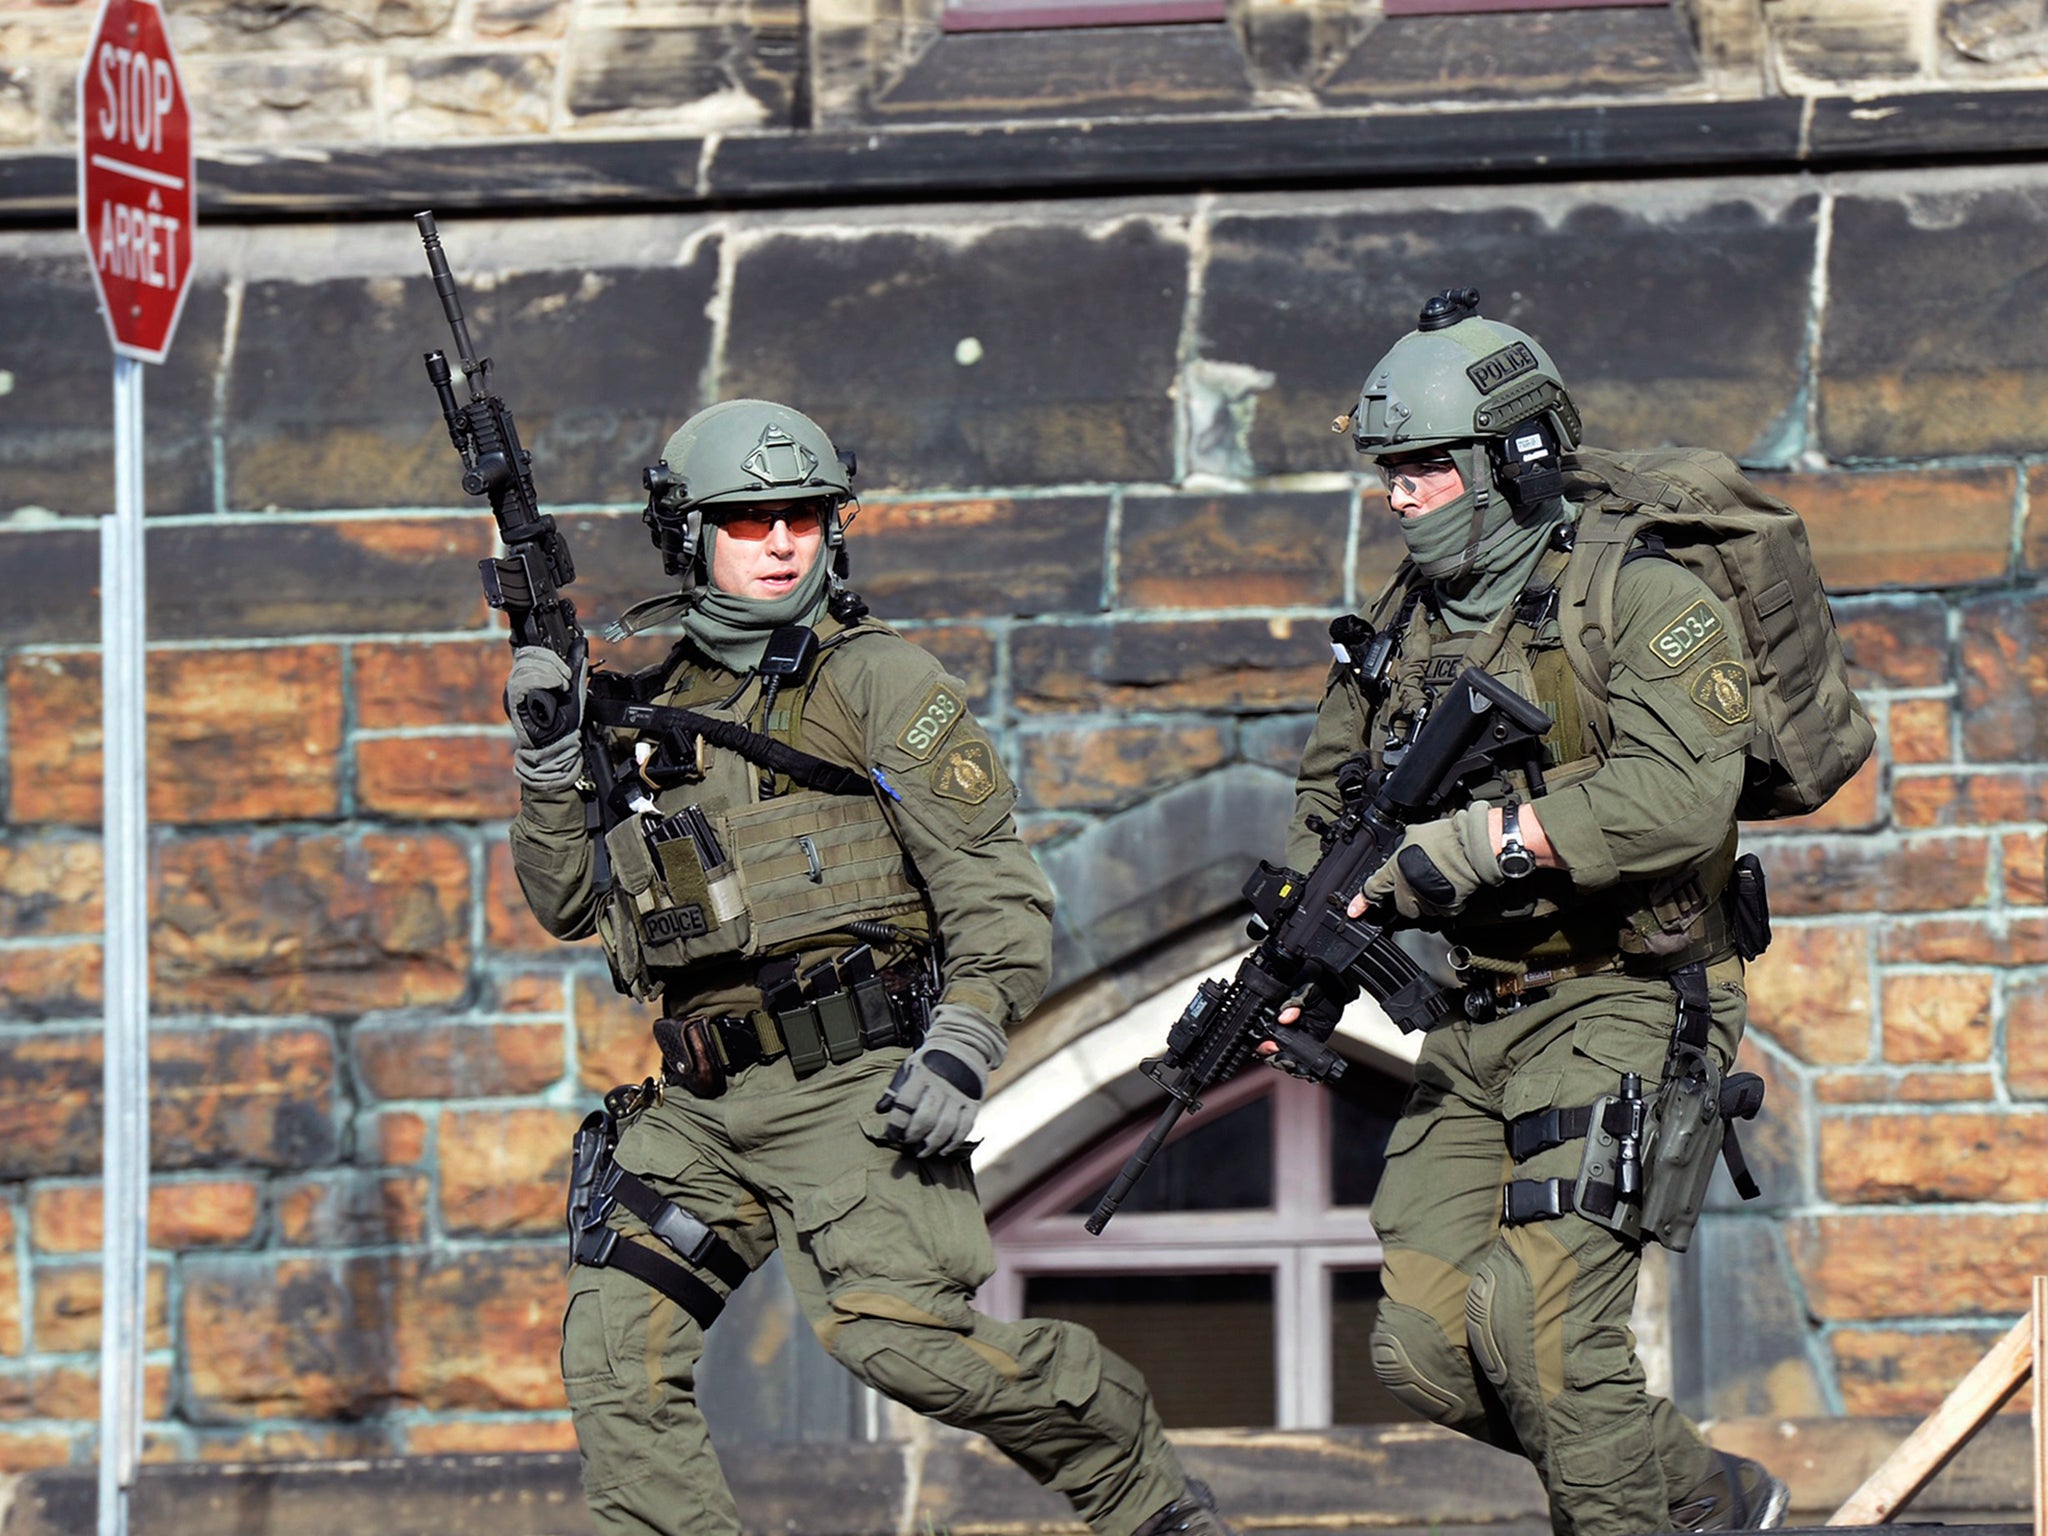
pixel 1306 937
pixel 527 580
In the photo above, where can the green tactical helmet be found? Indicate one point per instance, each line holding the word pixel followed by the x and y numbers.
pixel 731 454
pixel 1460 378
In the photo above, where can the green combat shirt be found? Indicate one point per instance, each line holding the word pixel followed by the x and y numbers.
pixel 885 708
pixel 1653 802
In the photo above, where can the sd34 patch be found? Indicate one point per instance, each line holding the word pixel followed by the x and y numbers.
pixel 1682 636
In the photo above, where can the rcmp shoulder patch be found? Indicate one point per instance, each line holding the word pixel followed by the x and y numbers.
pixel 967 773
pixel 1686 633
pixel 929 726
pixel 1722 691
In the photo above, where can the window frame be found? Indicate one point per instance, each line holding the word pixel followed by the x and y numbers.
pixel 1299 1240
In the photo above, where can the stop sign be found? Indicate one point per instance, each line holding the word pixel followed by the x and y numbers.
pixel 135 184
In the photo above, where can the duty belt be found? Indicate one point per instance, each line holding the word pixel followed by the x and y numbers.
pixel 1489 993
pixel 831 1012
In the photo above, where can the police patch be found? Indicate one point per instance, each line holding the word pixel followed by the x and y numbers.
pixel 1496 368
pixel 967 773
pixel 1685 634
pixel 667 925
pixel 934 718
pixel 1722 690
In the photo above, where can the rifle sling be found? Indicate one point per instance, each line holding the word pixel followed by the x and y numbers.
pixel 763 751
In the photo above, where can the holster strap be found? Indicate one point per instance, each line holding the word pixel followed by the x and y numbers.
pixel 1527 1200
pixel 686 1234
pixel 1695 1007
pixel 665 1275
pixel 602 1247
pixel 1547 1128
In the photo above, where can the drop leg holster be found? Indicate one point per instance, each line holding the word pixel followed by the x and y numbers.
pixel 1647 1164
pixel 597 1183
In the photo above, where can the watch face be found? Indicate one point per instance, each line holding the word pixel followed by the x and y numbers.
pixel 1514 858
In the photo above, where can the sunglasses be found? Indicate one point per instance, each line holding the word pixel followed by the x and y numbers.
pixel 1410 474
pixel 753 524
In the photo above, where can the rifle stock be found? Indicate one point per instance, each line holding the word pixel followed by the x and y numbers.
pixel 1307 937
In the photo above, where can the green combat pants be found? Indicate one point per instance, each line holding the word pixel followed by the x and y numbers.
pixel 884 1253
pixel 1520 1335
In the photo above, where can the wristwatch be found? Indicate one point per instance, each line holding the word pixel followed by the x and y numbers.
pixel 1514 858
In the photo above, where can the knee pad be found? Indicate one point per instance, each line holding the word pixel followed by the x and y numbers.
pixel 1480 1330
pixel 1515 1325
pixel 1419 1366
pixel 929 1370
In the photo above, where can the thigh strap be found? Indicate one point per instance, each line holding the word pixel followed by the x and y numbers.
pixel 597 1183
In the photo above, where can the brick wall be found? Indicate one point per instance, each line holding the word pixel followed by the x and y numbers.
pixel 1100 484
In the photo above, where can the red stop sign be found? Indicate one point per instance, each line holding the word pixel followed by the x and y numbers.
pixel 135 184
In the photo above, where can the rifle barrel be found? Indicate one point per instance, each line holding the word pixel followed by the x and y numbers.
pixel 451 303
pixel 1135 1166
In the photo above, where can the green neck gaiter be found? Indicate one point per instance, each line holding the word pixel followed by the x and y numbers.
pixel 1478 557
pixel 734 631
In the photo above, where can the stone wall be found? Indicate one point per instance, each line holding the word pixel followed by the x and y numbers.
pixel 405 72
pixel 1097 480
pixel 1100 482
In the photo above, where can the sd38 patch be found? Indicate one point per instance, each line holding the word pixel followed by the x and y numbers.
pixel 934 718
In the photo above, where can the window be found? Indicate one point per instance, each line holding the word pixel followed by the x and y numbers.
pixel 1022 15
pixel 1476 7
pixel 1242 1275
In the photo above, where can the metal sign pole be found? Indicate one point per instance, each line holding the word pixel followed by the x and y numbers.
pixel 125 1183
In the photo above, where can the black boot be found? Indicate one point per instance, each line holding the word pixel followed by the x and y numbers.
pixel 1192 1514
pixel 1740 1495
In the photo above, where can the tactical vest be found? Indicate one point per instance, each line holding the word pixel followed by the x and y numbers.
pixel 1540 923
pixel 717 871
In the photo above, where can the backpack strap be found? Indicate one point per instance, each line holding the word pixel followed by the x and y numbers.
pixel 1607 531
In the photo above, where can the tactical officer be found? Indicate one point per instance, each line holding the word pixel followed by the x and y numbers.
pixel 1589 924
pixel 816 871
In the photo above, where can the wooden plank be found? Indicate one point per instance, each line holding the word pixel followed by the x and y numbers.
pixel 2039 1318
pixel 2002 1372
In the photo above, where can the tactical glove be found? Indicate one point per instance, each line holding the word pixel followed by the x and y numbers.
pixel 935 1095
pixel 546 713
pixel 1321 1007
pixel 1439 866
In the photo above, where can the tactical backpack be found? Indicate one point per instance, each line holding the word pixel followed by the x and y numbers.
pixel 1811 733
